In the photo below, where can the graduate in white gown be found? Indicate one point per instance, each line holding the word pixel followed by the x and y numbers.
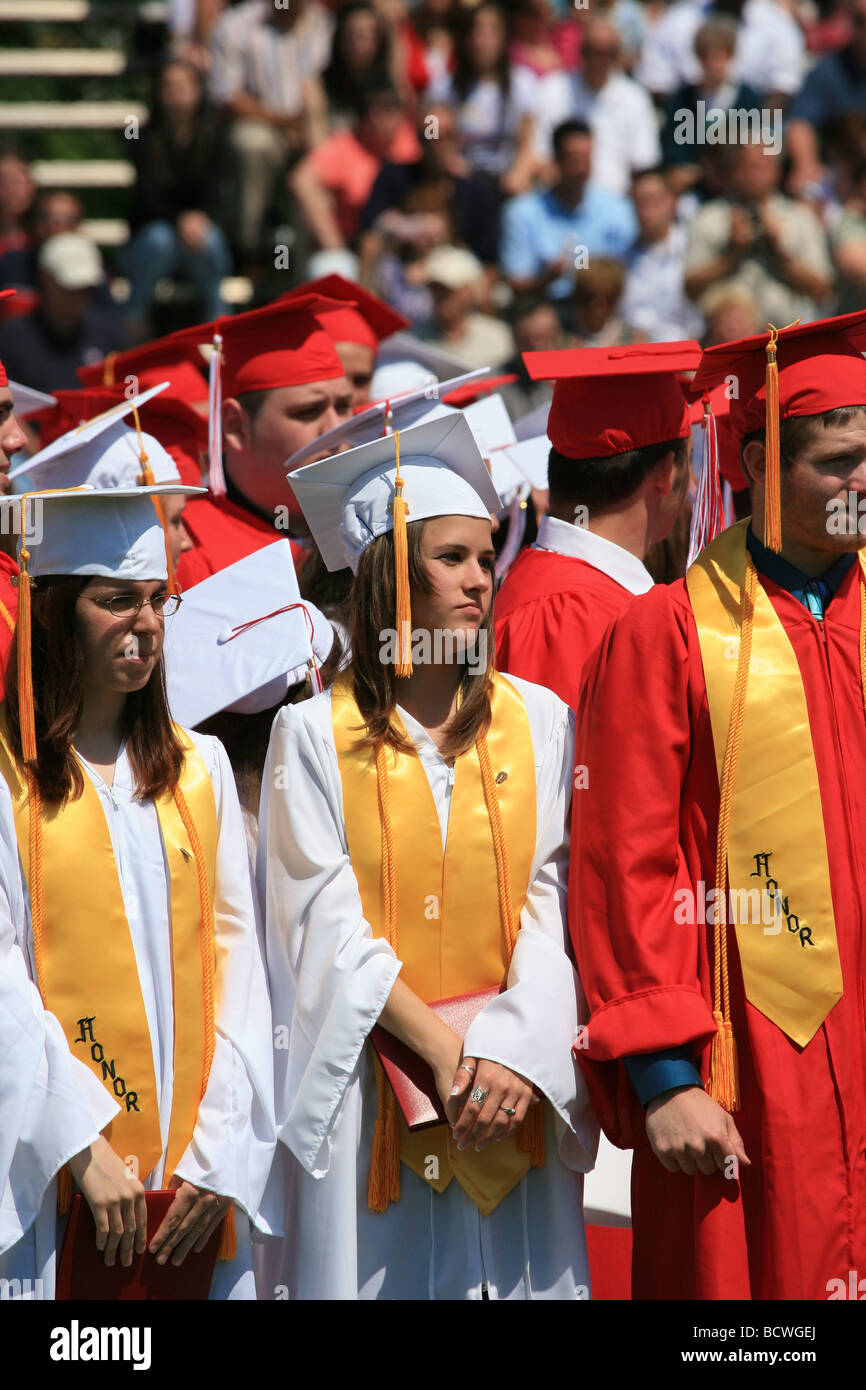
pixel 130 937
pixel 426 863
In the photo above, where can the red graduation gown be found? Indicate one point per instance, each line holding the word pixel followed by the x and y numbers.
pixel 9 600
pixel 644 827
pixel 223 533
pixel 550 613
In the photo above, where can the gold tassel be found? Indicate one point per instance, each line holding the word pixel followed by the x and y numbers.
pixel 26 716
pixel 403 664
pixel 146 479
pixel 108 369
pixel 530 1135
pixel 65 1190
pixel 772 485
pixel 384 1183
pixel 724 1080
pixel 228 1246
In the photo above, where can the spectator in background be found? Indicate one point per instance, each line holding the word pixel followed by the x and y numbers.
pixel 433 24
pixel 360 57
pixel 835 86
pixel 532 44
pixel 545 234
pixel 176 202
pixel 654 302
pixel 333 183
pixel 456 280
pixel 769 56
pixel 716 88
pixel 439 180
pixel 596 317
pixel 730 312
pixel 848 240
pixel 536 327
pixel 767 241
pixel 69 328
pixel 264 65
pixel 52 212
pixel 17 192
pixel 495 103
pixel 619 113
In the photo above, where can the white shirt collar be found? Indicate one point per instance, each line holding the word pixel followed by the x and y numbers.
pixel 619 564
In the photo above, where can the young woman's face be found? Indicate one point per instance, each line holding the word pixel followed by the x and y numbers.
pixel 487 38
pixel 120 652
pixel 459 559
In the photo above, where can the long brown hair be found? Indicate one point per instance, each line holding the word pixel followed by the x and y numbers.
pixel 57 656
pixel 372 606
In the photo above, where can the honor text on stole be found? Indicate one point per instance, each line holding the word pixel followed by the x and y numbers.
pixel 109 1069
pixel 771 886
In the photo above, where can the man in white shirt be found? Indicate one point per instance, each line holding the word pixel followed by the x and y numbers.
pixel 770 53
pixel 619 113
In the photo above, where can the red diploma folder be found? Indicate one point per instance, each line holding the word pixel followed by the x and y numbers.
pixel 84 1274
pixel 410 1077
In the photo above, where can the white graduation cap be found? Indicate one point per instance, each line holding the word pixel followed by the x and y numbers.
pixel 491 425
pixel 397 413
pixel 406 348
pixel 249 630
pixel 27 401
pixel 104 452
pixel 348 499
pixel 115 533
pixel 529 426
pixel 530 458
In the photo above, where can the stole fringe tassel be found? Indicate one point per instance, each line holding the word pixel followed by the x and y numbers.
pixel 384 1184
pixel 530 1136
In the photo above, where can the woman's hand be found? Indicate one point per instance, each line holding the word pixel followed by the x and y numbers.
pixel 507 1097
pixel 449 1050
pixel 189 1222
pixel 115 1198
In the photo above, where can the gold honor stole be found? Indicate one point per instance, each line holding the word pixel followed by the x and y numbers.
pixel 89 975
pixel 450 932
pixel 788 950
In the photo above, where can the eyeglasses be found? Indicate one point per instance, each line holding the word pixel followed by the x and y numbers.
pixel 128 606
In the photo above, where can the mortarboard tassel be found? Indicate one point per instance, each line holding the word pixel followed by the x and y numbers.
pixel 108 369
pixel 146 479
pixel 772 485
pixel 403 664
pixel 216 475
pixel 708 516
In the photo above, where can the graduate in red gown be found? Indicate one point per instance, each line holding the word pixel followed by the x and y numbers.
pixel 618 475
pixel 282 385
pixel 727 1033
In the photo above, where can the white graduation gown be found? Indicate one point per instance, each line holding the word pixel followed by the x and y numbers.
pixel 232 1144
pixel 330 978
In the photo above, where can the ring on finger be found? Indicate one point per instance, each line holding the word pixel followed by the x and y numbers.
pixel 510 1110
pixel 464 1067
pixel 479 1095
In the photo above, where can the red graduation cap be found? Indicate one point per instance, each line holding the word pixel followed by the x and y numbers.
pixel 280 344
pixel 782 374
pixel 612 399
pixel 472 391
pixel 4 380
pixel 359 317
pixel 165 359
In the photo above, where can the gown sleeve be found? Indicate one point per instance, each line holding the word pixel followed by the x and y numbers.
pixel 533 1025
pixel 640 968
pixel 232 1146
pixel 330 977
pixel 51 1104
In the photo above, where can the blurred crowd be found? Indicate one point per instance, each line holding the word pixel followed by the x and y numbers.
pixel 510 176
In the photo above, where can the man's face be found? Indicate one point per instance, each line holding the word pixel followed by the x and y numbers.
pixel 821 476
pixel 757 171
pixel 63 309
pixel 359 363
pixel 575 158
pixel 12 437
pixel 289 417
pixel 654 205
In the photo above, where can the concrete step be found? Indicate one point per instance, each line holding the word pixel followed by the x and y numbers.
pixel 73 11
pixel 61 62
pixel 70 115
pixel 83 173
